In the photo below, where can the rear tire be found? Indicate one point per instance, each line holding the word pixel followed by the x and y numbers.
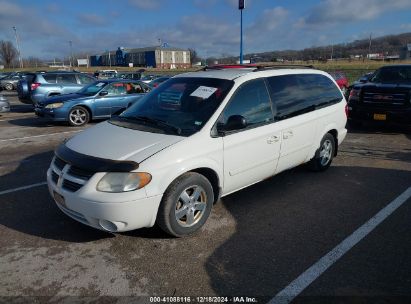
pixel 78 116
pixel 324 155
pixel 186 205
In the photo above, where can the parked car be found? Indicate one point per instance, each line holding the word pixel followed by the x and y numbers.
pixel 149 78
pixel 199 136
pixel 363 79
pixel 37 87
pixel 341 80
pixel 384 98
pixel 156 82
pixel 129 75
pixel 9 83
pixel 4 104
pixel 105 74
pixel 99 100
pixel 5 74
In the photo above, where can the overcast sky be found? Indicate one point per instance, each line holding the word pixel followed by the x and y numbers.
pixel 212 27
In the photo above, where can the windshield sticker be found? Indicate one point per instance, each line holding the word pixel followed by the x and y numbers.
pixel 100 84
pixel 198 123
pixel 203 92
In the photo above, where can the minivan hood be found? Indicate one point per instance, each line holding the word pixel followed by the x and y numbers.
pixel 117 143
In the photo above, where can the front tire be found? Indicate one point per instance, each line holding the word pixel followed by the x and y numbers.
pixel 8 86
pixel 186 205
pixel 324 155
pixel 78 116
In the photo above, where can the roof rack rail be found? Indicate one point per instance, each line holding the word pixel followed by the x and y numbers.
pixel 282 66
pixel 228 66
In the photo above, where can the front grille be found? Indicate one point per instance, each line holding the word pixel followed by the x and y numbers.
pixel 73 177
pixel 71 186
pixel 385 98
pixel 54 177
pixel 59 163
pixel 80 173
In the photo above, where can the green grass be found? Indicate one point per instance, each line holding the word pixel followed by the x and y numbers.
pixel 352 69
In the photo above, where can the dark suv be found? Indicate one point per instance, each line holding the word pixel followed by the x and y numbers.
pixel 39 86
pixel 384 98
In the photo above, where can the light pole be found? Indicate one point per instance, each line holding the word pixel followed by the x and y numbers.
pixel 18 47
pixel 71 53
pixel 241 5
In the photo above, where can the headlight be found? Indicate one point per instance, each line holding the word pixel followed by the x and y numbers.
pixel 123 182
pixel 54 105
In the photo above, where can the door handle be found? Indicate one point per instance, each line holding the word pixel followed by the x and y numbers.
pixel 273 139
pixel 288 134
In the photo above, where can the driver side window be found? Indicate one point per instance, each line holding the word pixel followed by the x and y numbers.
pixel 116 89
pixel 251 100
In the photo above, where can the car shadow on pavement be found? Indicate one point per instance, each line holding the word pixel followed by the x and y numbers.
pixel 371 128
pixel 32 211
pixel 35 122
pixel 22 108
pixel 288 222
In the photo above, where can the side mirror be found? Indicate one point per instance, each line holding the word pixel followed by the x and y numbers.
pixel 103 93
pixel 234 122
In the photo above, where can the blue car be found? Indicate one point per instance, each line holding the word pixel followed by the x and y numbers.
pixel 99 100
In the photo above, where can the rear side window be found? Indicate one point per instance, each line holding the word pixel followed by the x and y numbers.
pixel 50 78
pixel 66 78
pixel 297 94
pixel 85 79
pixel 252 102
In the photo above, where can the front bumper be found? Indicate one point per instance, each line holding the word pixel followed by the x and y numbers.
pixel 4 108
pixel 108 216
pixel 59 114
pixel 364 113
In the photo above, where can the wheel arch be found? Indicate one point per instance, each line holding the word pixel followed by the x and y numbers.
pixel 213 178
pixel 334 133
pixel 90 113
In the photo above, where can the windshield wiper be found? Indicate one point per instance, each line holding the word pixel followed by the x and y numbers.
pixel 155 122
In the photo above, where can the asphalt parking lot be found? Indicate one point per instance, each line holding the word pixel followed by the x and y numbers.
pixel 255 244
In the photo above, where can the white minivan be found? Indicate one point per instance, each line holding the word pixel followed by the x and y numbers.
pixel 197 137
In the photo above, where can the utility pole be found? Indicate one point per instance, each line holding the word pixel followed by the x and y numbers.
pixel 18 47
pixel 369 47
pixel 241 6
pixel 71 54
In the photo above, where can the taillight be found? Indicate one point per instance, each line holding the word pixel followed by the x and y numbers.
pixel 35 85
pixel 346 110
pixel 354 95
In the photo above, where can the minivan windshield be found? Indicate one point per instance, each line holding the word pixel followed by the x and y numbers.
pixel 393 74
pixel 92 89
pixel 179 106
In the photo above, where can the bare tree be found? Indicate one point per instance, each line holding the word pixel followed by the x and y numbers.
pixel 7 52
pixel 32 62
pixel 193 56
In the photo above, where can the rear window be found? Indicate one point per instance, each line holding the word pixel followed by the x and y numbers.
pixel 400 74
pixel 50 78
